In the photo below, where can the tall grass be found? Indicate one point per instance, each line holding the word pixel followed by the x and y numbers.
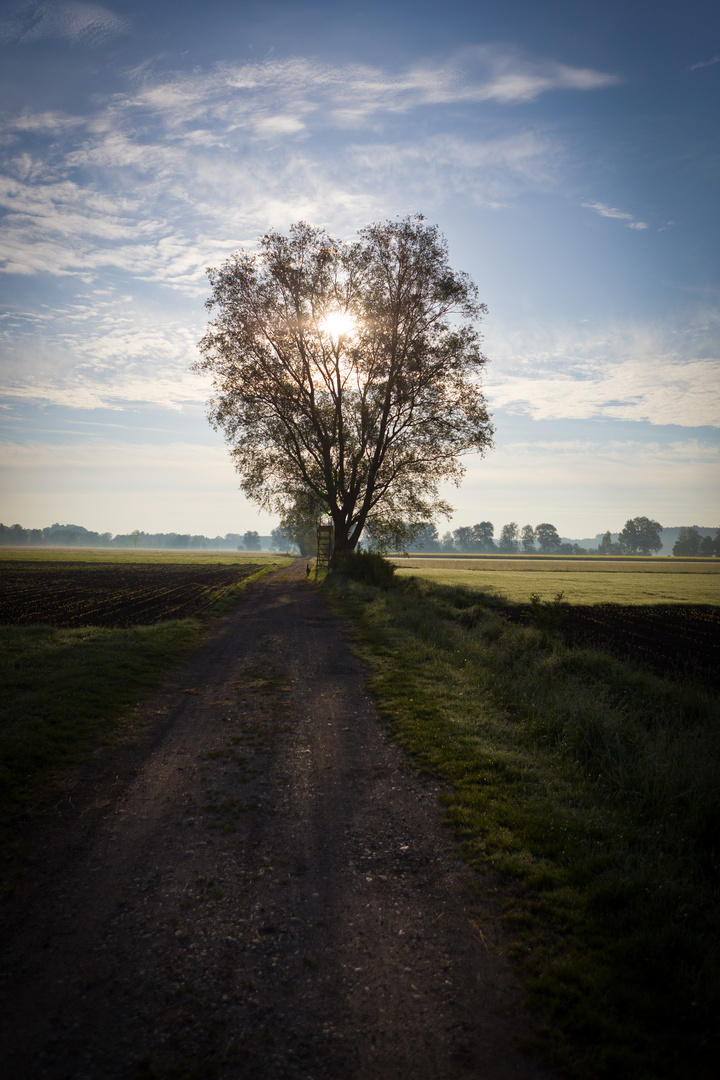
pixel 592 789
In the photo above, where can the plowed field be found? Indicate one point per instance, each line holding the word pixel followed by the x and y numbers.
pixel 111 594
pixel 673 640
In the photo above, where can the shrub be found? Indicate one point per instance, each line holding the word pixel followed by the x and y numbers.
pixel 365 566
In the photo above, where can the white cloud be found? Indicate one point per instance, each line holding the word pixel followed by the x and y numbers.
pixel 629 373
pixel 100 353
pixel 180 168
pixel 78 23
pixel 613 212
pixel 354 94
pixel 490 172
pixel 705 63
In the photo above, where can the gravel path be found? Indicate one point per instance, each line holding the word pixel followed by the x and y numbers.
pixel 256 886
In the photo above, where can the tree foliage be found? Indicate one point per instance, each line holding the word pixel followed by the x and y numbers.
pixel 509 541
pixel 640 536
pixel 528 539
pixel 548 538
pixel 347 373
pixel 298 527
pixel 688 542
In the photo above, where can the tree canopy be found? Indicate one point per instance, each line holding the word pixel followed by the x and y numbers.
pixel 348 374
pixel 640 536
pixel 547 537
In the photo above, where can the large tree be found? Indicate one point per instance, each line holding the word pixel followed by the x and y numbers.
pixel 547 537
pixel 347 373
pixel 640 535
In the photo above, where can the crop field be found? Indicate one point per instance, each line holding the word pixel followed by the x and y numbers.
pixel 111 594
pixel 582 581
pixel 160 556
pixel 680 641
pixel 86 634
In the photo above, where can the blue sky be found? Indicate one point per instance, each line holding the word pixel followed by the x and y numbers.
pixel 568 151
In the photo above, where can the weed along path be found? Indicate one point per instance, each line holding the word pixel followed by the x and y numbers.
pixel 257 886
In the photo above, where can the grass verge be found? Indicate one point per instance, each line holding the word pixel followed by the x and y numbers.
pixel 592 790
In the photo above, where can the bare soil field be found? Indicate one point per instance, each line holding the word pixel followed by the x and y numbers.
pixel 670 639
pixel 110 594
pixel 255 884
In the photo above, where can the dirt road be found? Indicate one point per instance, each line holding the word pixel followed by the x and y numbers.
pixel 258 886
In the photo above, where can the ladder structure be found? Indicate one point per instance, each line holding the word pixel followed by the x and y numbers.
pixel 324 544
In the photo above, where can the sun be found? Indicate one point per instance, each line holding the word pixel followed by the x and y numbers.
pixel 338 324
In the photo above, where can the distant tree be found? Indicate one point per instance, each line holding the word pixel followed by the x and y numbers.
pixel 707 546
pixel 607 546
pixel 482 535
pixel 463 539
pixel 509 541
pixel 548 538
pixel 640 536
pixel 349 372
pixel 251 540
pixel 447 542
pixel 426 539
pixel 14 535
pixel 279 540
pixel 527 538
pixel 300 522
pixel 716 545
pixel 688 542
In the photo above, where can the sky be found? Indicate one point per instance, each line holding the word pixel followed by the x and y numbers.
pixel 568 152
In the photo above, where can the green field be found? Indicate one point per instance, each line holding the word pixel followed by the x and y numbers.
pixel 582 581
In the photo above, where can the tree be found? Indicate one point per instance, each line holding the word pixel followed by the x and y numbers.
pixel 463 538
pixel 298 527
pixel 347 372
pixel 640 536
pixel 707 546
pixel 426 539
pixel 688 542
pixel 509 538
pixel 482 536
pixel 548 538
pixel 605 547
pixel 528 539
pixel 251 540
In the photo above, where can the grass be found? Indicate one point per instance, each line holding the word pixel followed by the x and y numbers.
pixel 592 790
pixel 645 583
pixel 66 690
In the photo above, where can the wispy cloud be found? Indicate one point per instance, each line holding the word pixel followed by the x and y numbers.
pixel 628 373
pixel 78 23
pixel 102 354
pixel 619 215
pixel 300 88
pixel 705 63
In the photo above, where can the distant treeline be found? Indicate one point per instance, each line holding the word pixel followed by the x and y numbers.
pixel 76 536
pixel 640 536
